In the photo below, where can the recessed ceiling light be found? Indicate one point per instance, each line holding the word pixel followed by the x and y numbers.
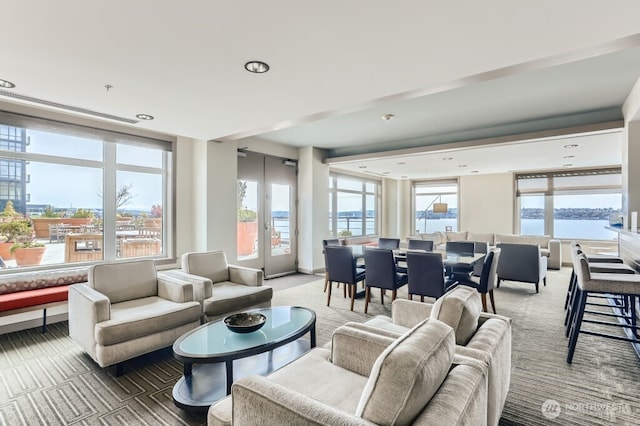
pixel 144 116
pixel 403 177
pixel 571 145
pixel 362 167
pixel 462 165
pixel 474 171
pixel 6 84
pixel 569 156
pixel 447 158
pixel 567 165
pixel 385 173
pixel 388 117
pixel 256 67
pixel 400 163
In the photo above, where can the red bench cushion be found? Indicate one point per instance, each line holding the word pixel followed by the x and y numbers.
pixel 41 296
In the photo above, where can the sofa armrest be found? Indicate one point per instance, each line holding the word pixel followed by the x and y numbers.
pixel 202 286
pixel 462 396
pixel 543 267
pixel 174 289
pixel 492 343
pixel 279 405
pixel 357 350
pixel 246 276
pixel 408 313
pixel 555 254
pixel 87 308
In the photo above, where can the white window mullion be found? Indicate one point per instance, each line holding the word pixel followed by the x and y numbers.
pixel 109 202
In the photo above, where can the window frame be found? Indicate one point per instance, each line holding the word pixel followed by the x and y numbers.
pixel 433 183
pixel 333 203
pixel 109 167
pixel 550 190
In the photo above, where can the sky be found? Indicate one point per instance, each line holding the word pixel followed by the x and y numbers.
pixel 67 186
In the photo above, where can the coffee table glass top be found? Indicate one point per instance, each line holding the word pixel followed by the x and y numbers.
pixel 216 340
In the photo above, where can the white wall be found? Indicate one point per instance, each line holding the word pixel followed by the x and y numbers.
pixel 487 203
pixel 389 210
pixel 313 209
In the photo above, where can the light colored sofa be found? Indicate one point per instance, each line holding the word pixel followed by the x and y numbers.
pixel 483 336
pixel 366 379
pixel 549 247
pixel 220 288
pixel 126 310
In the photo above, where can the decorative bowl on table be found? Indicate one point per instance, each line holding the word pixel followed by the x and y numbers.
pixel 245 322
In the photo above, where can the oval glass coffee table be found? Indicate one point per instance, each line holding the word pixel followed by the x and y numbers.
pixel 260 352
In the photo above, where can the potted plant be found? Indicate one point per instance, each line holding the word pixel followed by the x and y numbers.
pixel 26 250
pixel 10 227
pixel 10 232
pixel 247 223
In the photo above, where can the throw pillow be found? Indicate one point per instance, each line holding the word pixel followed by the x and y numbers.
pixel 460 309
pixel 407 374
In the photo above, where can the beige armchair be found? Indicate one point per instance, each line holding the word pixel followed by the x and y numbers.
pixel 126 310
pixel 482 336
pixel 366 379
pixel 220 288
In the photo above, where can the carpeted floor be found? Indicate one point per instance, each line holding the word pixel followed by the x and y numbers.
pixel 46 379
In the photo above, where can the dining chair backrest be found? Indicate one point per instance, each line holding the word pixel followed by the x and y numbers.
pixel 381 268
pixel 460 247
pixel 426 274
pixel 488 277
pixel 388 243
pixel 420 244
pixel 341 265
pixel 331 242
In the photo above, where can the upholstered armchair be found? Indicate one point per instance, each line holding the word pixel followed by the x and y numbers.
pixel 366 379
pixel 522 262
pixel 220 288
pixel 126 310
pixel 482 336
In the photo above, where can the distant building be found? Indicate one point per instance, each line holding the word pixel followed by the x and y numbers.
pixel 13 176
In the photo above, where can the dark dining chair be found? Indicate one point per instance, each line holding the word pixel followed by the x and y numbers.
pixel 426 275
pixel 325 243
pixel 382 274
pixel 388 243
pixel 460 247
pixel 487 280
pixel 426 245
pixel 341 268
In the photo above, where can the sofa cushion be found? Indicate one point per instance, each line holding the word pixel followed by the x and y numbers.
pixel 230 297
pixel 210 264
pixel 460 309
pixel 456 236
pixel 407 374
pixel 124 281
pixel 474 236
pixel 143 317
pixel 541 240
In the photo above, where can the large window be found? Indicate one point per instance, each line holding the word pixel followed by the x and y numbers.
pixel 573 204
pixel 354 206
pixel 435 206
pixel 80 194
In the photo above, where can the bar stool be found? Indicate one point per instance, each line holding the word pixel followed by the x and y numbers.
pixel 626 286
pixel 602 268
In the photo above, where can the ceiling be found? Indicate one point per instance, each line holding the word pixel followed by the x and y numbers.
pixel 449 73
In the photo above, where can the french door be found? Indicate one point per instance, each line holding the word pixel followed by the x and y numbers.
pixel 267 219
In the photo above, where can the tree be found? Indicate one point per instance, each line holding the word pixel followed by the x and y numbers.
pixel 9 211
pixel 123 195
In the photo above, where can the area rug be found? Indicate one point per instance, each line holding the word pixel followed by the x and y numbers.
pixel 47 379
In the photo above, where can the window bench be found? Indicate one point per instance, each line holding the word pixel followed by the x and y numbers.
pixel 30 291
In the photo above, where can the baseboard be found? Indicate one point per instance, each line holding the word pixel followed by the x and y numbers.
pixel 311 271
pixel 32 323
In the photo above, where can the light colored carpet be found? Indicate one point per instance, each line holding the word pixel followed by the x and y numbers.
pixel 46 379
